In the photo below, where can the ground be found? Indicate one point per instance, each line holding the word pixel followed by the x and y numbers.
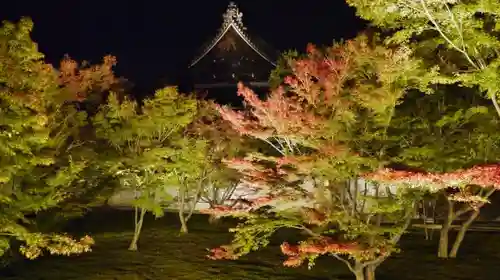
pixel 163 254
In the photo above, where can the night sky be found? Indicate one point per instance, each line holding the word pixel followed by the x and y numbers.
pixel 155 40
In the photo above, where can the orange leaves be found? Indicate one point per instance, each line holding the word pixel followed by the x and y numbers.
pixel 313 216
pixel 297 254
pixel 83 80
pixel 319 78
pixel 312 95
pixel 279 116
pixel 320 121
pixel 324 96
pixel 239 207
pixel 222 253
pixel 483 175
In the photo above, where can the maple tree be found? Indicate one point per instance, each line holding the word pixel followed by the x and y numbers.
pixel 148 142
pixel 460 129
pixel 34 176
pixel 459 39
pixel 82 88
pixel 471 187
pixel 191 171
pixel 199 172
pixel 220 183
pixel 327 126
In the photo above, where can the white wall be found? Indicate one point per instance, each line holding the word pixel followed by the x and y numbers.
pixel 125 198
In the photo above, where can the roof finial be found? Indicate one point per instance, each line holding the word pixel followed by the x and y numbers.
pixel 233 16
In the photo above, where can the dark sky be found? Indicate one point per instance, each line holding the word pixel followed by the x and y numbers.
pixel 155 39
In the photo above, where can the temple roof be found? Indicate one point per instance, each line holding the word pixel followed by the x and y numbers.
pixel 233 24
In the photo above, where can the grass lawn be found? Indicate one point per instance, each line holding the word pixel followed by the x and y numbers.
pixel 165 255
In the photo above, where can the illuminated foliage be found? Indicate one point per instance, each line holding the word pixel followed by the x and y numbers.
pixel 33 175
pixel 466 192
pixel 484 176
pixel 460 38
pixel 149 147
pixel 216 183
pixel 327 126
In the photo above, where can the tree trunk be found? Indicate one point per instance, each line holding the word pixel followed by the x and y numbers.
pixel 139 219
pixel 370 272
pixel 182 218
pixel 461 234
pixel 443 241
pixel 195 199
pixel 184 227
pixel 444 233
pixel 365 272
pixel 359 275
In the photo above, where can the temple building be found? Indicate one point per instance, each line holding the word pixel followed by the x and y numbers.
pixel 232 56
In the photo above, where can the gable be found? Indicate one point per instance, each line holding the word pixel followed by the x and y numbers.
pixel 232 30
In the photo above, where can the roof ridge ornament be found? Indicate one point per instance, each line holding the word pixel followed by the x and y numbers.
pixel 232 19
pixel 233 16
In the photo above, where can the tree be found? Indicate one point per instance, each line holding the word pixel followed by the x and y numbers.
pixel 220 182
pixel 82 89
pixel 443 132
pixel 199 169
pixel 327 128
pixel 147 141
pixel 460 39
pixel 190 169
pixel 471 187
pixel 32 178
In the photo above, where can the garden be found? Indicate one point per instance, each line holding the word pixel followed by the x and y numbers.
pixel 376 157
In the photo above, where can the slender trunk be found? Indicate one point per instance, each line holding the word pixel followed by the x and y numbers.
pixel 461 234
pixel 182 206
pixel 359 271
pixel 184 227
pixel 465 226
pixel 433 206
pixel 196 199
pixel 370 272
pixel 360 275
pixel 182 218
pixel 139 219
pixel 443 241
pixel 444 233
pixel 364 272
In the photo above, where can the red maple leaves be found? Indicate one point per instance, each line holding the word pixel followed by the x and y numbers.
pixel 485 176
pixel 297 254
pixel 482 175
pixel 222 253
pixel 279 115
pixel 310 120
pixel 82 80
pixel 303 105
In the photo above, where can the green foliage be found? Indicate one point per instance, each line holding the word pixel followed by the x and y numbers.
pixel 449 130
pixel 148 143
pixel 255 233
pixel 33 175
pixel 460 38
pixel 329 125
pixel 282 68
pixel 222 141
